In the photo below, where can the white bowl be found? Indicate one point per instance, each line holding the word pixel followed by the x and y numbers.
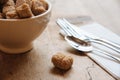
pixel 17 35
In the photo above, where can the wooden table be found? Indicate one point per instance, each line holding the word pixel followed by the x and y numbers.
pixel 36 64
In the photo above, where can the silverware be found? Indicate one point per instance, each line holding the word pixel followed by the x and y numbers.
pixel 86 47
pixel 80 44
pixel 83 35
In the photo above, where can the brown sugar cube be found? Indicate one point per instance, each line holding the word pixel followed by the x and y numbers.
pixel 20 2
pixel 29 3
pixel 9 3
pixel 45 5
pixel 37 7
pixel 1 16
pixel 7 9
pixel 8 6
pixel 24 11
pixel 62 61
pixel 12 15
pixel 3 1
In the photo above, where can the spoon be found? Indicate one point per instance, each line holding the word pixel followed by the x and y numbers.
pixel 84 46
pixel 79 44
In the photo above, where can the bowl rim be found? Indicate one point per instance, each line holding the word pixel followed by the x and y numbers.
pixel 34 17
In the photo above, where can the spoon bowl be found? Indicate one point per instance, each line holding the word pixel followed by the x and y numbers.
pixel 79 44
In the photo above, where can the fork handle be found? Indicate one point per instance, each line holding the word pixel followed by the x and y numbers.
pixel 107 43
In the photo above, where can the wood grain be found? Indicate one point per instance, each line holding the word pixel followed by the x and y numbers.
pixel 36 64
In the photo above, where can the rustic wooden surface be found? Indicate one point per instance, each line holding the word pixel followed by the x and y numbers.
pixel 36 64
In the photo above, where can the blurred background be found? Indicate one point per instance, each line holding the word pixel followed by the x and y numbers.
pixel 105 12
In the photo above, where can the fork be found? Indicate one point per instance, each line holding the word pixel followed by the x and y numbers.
pixel 116 58
pixel 65 25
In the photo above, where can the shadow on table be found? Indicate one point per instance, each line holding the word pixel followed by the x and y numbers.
pixel 76 52
pixel 63 73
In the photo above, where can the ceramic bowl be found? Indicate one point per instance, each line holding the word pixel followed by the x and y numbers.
pixel 17 35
